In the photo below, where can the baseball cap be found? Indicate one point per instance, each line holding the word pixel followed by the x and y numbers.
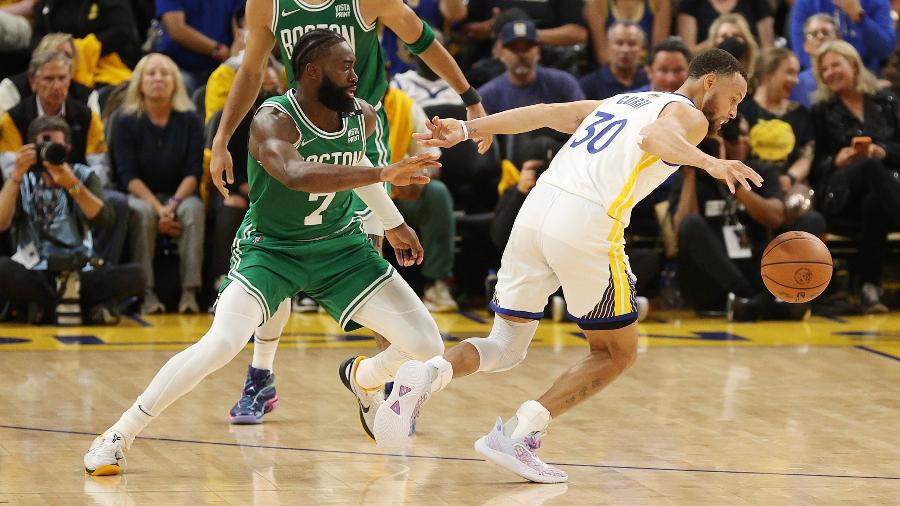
pixel 520 29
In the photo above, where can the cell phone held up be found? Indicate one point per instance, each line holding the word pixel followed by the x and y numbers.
pixel 46 149
pixel 861 145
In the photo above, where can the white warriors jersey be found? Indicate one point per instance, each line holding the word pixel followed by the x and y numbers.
pixel 602 161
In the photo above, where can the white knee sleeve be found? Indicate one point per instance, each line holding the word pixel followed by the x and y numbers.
pixel 505 347
pixel 397 313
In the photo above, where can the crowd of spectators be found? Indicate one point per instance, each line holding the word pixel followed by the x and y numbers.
pixel 133 91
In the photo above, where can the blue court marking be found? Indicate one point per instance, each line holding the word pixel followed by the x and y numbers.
pixel 14 340
pixel 471 459
pixel 87 339
pixel 883 354
pixel 471 315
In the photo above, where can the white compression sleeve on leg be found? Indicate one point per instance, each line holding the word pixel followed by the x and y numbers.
pixel 397 313
pixel 505 347
pixel 265 339
pixel 237 315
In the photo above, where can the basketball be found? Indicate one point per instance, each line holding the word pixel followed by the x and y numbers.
pixel 796 267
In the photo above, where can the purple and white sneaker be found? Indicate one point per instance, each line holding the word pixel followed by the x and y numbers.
pixel 257 398
pixel 518 455
pixel 395 420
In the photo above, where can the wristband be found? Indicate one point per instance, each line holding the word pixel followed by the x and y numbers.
pixel 465 129
pixel 470 97
pixel 423 42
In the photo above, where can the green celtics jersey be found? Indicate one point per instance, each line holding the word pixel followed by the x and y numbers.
pixel 293 18
pixel 277 211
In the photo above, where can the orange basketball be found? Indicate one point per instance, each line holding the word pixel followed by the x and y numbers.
pixel 796 267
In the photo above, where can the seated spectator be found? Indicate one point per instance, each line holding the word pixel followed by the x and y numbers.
pixel 817 30
pixel 428 208
pixel 653 16
pixel 525 82
pixel 437 13
pixel 196 37
pixel 423 85
pixel 857 181
pixel 106 29
pixel 17 87
pixel 534 159
pixel 52 208
pixel 50 79
pixel 865 24
pixel 721 238
pixel 732 33
pixel 229 211
pixel 623 72
pixel 667 66
pixel 558 22
pixel 781 133
pixel 696 17
pixel 162 183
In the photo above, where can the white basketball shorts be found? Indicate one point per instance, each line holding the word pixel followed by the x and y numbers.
pixel 560 239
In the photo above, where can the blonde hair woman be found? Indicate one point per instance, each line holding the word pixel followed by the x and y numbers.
pixel 696 17
pixel 157 148
pixel 857 133
pixel 734 27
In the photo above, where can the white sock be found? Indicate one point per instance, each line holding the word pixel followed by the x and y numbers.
pixel 444 373
pixel 376 371
pixel 264 353
pixel 132 422
pixel 530 417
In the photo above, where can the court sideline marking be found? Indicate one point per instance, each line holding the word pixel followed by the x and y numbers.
pixel 469 459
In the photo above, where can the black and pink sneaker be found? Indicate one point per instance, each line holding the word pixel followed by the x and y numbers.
pixel 257 399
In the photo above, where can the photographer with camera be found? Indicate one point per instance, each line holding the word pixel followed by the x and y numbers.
pixel 51 207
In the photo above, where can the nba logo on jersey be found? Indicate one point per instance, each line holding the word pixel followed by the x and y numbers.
pixel 342 11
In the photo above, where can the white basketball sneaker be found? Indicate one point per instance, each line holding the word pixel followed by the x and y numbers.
pixel 368 400
pixel 518 455
pixel 396 417
pixel 106 456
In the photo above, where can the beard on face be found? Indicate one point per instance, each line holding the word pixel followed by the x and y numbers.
pixel 335 97
pixel 707 110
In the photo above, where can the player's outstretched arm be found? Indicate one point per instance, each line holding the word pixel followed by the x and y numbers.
pixel 563 117
pixel 674 136
pixel 245 89
pixel 273 136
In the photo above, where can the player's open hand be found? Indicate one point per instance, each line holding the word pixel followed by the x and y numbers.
pixel 442 133
pixel 406 245
pixel 221 168
pixel 483 141
pixel 734 172
pixel 412 170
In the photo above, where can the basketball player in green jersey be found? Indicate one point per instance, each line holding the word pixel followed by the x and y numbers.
pixel 282 23
pixel 301 234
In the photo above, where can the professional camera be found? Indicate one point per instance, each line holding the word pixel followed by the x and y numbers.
pixel 53 152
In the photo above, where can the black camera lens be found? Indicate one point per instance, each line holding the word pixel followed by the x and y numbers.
pixel 53 152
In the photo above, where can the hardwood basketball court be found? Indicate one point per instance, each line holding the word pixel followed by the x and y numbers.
pixel 712 413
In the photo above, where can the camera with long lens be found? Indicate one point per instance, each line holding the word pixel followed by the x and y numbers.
pixel 46 149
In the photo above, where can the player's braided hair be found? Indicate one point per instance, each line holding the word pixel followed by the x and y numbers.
pixel 310 46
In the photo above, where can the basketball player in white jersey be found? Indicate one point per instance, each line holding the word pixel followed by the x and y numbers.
pixel 570 232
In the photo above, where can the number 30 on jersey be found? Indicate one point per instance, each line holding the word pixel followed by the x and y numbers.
pixel 597 138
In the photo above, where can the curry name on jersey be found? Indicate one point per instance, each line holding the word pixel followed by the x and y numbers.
pixel 279 212
pixel 603 161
